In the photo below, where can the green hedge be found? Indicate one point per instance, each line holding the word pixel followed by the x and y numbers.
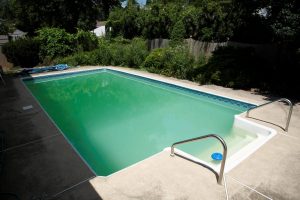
pixel 172 61
pixel 119 52
pixel 22 52
pixel 55 42
pixel 233 67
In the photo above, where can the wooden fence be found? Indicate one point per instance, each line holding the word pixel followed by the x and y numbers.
pixel 199 48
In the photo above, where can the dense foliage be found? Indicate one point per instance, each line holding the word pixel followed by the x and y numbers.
pixel 118 52
pixel 55 42
pixel 22 52
pixel 234 67
pixel 49 44
pixel 31 15
pixel 172 61
pixel 206 22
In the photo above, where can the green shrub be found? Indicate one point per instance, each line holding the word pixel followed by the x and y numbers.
pixel 101 56
pixel 55 42
pixel 172 61
pixel 80 58
pixel 118 52
pixel 233 67
pixel 135 53
pixel 86 41
pixel 22 52
pixel 178 33
pixel 154 62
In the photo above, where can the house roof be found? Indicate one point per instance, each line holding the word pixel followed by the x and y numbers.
pixel 17 32
pixel 100 23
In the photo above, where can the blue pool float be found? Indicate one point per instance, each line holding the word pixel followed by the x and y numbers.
pixel 217 156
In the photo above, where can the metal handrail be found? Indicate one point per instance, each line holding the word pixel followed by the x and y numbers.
pixel 221 173
pixel 282 99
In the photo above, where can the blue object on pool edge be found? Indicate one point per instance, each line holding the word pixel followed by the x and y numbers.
pixel 217 156
pixel 58 67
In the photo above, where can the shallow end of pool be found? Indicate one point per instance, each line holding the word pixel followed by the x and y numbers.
pixel 262 133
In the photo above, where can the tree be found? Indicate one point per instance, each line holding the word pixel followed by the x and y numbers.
pixel 284 19
pixel 68 14
pixel 148 2
pixel 178 33
pixel 130 22
pixel 7 9
pixel 106 6
pixel 132 3
pixel 211 22
pixel 3 29
pixel 189 18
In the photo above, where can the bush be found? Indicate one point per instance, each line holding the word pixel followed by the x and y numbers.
pixel 155 60
pixel 172 61
pixel 135 53
pixel 86 41
pixel 22 52
pixel 80 58
pixel 118 52
pixel 178 33
pixel 55 42
pixel 233 67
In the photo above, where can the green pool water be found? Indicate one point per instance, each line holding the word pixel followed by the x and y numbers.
pixel 114 120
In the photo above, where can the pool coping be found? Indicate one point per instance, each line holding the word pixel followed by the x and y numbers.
pixel 171 83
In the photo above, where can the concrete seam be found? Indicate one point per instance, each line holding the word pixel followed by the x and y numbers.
pixel 69 188
pixel 239 182
pixel 289 136
pixel 28 143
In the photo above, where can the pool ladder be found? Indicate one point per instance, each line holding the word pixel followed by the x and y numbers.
pixel 278 100
pixel 220 175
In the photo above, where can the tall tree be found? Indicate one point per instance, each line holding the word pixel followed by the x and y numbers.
pixel 105 6
pixel 68 14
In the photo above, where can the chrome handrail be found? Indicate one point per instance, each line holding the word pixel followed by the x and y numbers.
pixel 282 99
pixel 221 173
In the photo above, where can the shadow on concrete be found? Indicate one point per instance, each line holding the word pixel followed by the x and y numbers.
pixel 33 123
pixel 37 162
pixel 80 192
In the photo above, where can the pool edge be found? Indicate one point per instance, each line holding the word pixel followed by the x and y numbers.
pixel 111 68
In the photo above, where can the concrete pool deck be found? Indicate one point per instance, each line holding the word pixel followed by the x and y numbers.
pixel 39 164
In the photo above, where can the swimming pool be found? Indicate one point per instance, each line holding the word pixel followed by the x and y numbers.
pixel 115 119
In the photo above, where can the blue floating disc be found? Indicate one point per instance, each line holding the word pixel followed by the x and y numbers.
pixel 217 156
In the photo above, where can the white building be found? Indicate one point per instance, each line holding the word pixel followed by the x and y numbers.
pixel 17 34
pixel 99 31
